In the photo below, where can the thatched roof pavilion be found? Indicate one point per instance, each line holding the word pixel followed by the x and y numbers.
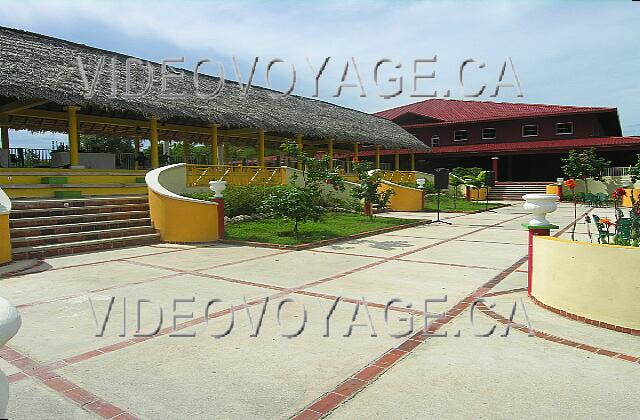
pixel 40 79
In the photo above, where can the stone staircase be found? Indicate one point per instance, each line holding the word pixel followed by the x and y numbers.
pixel 506 191
pixel 42 228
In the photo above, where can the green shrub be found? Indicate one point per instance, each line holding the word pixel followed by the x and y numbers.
pixel 239 200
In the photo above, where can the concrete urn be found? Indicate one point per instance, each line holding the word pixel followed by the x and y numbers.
pixel 218 187
pixel 10 322
pixel 421 182
pixel 540 205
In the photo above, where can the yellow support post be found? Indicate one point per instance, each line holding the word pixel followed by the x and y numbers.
pixel 74 141
pixel 186 151
pixel 413 161
pixel 136 152
pixel 226 153
pixel 5 137
pixel 397 160
pixel 355 152
pixel 330 154
pixel 153 137
pixel 377 156
pixel 300 146
pixel 261 148
pixel 214 144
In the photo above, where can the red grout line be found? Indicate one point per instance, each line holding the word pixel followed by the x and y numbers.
pixel 506 292
pixel 585 320
pixel 375 369
pixel 553 338
pixel 62 386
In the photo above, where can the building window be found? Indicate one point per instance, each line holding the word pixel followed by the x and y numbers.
pixel 435 140
pixel 488 134
pixel 564 128
pixel 529 130
pixel 460 135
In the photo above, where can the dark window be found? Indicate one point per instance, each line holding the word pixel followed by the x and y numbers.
pixel 564 128
pixel 435 140
pixel 460 135
pixel 529 130
pixel 488 134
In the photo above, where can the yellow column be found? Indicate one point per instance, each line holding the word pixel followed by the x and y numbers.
pixel 226 153
pixel 5 136
pixel 74 142
pixel 378 156
pixel 153 137
pixel 300 146
pixel 214 144
pixel 136 152
pixel 330 154
pixel 186 151
pixel 413 161
pixel 355 152
pixel 261 148
pixel 397 163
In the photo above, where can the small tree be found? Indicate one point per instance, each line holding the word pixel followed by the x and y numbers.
pixel 456 180
pixel 368 188
pixel 301 200
pixel 584 165
pixel 634 171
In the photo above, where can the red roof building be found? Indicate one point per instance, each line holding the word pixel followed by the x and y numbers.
pixel 521 142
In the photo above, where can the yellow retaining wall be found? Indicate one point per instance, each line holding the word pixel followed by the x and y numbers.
pixel 626 200
pixel 478 195
pixel 177 218
pixel 5 239
pixel 405 198
pixel 554 189
pixel 598 282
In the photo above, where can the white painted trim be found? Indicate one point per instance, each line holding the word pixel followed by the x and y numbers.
pixel 5 203
pixel 154 185
pixel 565 134
pixel 489 138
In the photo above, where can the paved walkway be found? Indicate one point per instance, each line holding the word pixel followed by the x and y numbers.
pixel 58 368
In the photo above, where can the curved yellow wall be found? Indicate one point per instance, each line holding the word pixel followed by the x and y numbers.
pixel 5 240
pixel 405 198
pixel 598 282
pixel 626 200
pixel 180 219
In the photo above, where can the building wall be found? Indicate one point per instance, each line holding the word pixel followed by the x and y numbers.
pixel 584 125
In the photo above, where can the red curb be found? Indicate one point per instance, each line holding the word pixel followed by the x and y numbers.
pixel 584 320
pixel 349 387
pixel 104 409
pixel 327 403
pixel 324 242
pixel 307 415
pixel 570 343
pixel 368 373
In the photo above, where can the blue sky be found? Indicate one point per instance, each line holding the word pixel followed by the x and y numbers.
pixel 570 52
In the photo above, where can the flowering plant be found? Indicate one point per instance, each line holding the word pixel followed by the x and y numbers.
pixel 571 184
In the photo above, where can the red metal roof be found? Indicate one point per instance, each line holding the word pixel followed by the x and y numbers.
pixel 526 146
pixel 456 111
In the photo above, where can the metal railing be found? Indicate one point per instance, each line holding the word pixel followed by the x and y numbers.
pixel 201 175
pixel 616 171
pixel 20 157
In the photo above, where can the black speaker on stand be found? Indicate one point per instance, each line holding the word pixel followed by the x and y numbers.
pixel 489 181
pixel 440 182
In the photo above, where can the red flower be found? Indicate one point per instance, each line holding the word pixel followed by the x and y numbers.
pixel 607 222
pixel 570 183
pixel 619 193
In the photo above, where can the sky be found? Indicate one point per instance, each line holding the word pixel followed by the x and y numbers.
pixel 582 52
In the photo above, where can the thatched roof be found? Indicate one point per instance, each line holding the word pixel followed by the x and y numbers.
pixel 34 66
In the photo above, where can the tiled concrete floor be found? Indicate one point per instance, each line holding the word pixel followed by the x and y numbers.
pixel 58 367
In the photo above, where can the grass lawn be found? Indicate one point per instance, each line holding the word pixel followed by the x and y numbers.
pixel 333 225
pixel 446 204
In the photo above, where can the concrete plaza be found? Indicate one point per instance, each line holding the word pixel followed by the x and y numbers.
pixel 58 368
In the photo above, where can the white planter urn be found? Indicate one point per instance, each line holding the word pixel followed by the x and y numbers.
pixel 218 187
pixel 10 322
pixel 421 182
pixel 540 205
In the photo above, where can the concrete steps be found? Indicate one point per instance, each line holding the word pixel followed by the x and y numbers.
pixel 515 190
pixel 49 227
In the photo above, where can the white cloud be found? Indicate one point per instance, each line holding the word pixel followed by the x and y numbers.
pixel 571 52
